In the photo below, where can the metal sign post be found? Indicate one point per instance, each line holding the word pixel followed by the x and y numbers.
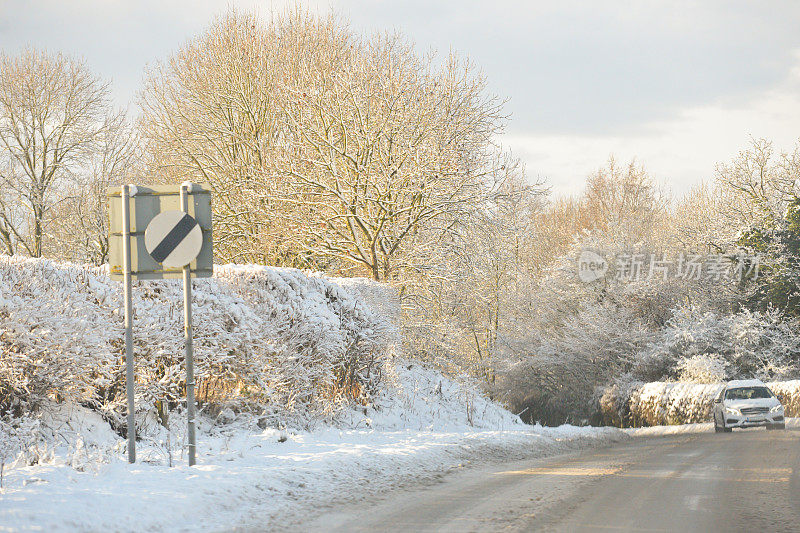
pixel 126 255
pixel 187 335
pixel 176 243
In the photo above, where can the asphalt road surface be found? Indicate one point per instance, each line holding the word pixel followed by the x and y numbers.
pixel 742 481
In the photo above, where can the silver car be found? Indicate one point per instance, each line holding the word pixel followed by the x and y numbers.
pixel 746 404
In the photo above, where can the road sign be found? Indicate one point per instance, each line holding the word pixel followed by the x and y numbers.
pixel 173 238
pixel 145 204
pixel 176 244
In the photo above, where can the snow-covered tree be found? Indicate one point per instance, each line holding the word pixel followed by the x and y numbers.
pixel 323 147
pixel 703 368
pixel 744 344
pixel 53 112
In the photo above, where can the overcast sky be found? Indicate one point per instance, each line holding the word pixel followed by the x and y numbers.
pixel 680 86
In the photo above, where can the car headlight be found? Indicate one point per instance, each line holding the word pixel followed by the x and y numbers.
pixel 732 411
pixel 777 409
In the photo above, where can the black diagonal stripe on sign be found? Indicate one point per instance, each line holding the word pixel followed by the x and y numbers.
pixel 173 238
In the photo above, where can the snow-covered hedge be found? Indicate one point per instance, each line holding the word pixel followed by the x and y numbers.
pixel 663 403
pixel 293 346
pixel 788 392
pixel 381 298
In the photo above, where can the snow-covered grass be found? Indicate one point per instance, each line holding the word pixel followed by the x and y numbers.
pixel 422 427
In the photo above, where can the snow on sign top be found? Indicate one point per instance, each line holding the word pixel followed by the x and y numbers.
pixel 173 238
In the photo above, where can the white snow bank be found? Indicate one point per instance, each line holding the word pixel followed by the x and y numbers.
pixel 418 398
pixel 421 426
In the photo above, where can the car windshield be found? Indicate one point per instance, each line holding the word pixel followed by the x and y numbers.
pixel 748 393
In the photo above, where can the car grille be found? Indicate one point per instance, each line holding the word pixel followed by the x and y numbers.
pixel 754 410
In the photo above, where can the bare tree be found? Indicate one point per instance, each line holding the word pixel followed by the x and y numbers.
pixel 79 223
pixel 214 113
pixel 461 309
pixel 52 110
pixel 700 222
pixel 625 201
pixel 323 148
pixel 759 183
pixel 352 154
pixel 387 149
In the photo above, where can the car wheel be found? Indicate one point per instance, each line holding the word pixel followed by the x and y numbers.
pixel 717 429
pixel 779 426
pixel 727 430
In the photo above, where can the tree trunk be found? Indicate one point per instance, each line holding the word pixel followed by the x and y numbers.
pixel 37 233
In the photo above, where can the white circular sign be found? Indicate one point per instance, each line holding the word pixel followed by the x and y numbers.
pixel 173 239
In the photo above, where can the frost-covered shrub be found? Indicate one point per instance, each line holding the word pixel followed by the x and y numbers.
pixel 614 402
pixel 294 346
pixel 58 327
pixel 339 341
pixel 556 383
pixel 382 299
pixel 788 392
pixel 703 368
pixel 752 345
pixel 16 435
pixel 672 403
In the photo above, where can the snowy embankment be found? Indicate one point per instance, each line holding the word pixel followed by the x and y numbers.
pixel 304 403
pixel 269 479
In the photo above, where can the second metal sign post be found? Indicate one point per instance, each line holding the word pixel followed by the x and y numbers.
pixel 187 335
